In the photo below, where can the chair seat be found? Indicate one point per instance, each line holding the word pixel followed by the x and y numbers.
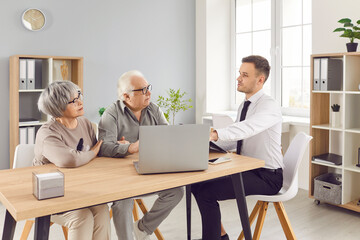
pixel 283 195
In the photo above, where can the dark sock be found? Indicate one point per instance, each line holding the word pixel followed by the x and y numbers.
pixel 225 237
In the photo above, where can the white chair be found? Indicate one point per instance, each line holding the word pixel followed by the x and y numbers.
pixel 292 159
pixel 23 157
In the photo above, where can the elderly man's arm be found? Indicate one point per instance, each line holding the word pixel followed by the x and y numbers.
pixel 108 133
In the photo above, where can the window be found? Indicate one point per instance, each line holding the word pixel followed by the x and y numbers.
pixel 285 40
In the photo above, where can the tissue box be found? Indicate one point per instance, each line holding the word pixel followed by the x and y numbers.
pixel 48 185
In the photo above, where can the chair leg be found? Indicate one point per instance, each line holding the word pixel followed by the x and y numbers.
pixel 27 229
pixel 65 231
pixel 143 208
pixel 111 214
pixel 284 220
pixel 28 226
pixel 252 217
pixel 260 221
pixel 135 212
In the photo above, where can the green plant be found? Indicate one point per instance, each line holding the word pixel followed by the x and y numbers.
pixel 335 107
pixel 174 103
pixel 101 111
pixel 350 30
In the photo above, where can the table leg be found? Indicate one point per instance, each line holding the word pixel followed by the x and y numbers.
pixel 9 227
pixel 241 203
pixel 42 225
pixel 188 211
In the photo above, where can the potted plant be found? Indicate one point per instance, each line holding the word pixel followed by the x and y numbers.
pixel 173 104
pixel 351 31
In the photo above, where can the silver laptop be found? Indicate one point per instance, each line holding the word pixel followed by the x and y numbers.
pixel 180 148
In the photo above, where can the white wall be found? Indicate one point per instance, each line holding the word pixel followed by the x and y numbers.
pixel 325 14
pixel 156 37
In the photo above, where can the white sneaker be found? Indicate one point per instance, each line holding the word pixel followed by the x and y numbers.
pixel 138 234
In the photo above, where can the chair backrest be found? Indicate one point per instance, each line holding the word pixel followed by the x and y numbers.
pixel 292 160
pixel 24 155
pixel 96 129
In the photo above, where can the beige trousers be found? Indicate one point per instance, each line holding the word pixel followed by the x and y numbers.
pixel 87 223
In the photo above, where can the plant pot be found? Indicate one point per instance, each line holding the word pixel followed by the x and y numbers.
pixel 351 47
pixel 335 119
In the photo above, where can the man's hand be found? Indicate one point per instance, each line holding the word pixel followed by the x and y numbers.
pixel 213 135
pixel 123 141
pixel 134 147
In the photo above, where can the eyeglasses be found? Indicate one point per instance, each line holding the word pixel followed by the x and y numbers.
pixel 144 90
pixel 76 100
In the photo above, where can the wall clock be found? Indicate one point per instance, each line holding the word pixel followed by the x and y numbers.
pixel 33 19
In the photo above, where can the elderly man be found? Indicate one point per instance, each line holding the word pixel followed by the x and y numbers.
pixel 119 129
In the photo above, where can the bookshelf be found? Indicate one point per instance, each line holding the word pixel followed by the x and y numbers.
pixel 344 139
pixel 23 102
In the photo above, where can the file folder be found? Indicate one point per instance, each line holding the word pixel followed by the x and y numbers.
pixel 316 74
pixel 331 74
pixel 31 135
pixel 30 74
pixel 23 135
pixel 22 74
pixel 328 158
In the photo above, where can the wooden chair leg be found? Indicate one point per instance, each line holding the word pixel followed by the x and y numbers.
pixel 143 208
pixel 252 217
pixel 30 223
pixel 260 221
pixel 135 212
pixel 111 214
pixel 284 220
pixel 65 231
pixel 27 229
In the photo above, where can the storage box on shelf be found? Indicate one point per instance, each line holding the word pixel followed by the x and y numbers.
pixel 28 76
pixel 342 138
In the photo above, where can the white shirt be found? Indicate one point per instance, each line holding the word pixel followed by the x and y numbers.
pixel 260 131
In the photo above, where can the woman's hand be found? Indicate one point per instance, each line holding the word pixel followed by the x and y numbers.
pixel 96 147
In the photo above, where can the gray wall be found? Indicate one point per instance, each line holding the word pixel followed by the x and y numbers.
pixel 156 37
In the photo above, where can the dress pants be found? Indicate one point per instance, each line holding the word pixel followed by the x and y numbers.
pixel 122 213
pixel 207 195
pixel 86 223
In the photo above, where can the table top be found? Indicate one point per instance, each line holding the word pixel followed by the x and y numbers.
pixel 103 180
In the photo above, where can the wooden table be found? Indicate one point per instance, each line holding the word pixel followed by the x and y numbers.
pixel 105 180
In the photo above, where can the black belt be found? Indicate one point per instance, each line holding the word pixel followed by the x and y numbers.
pixel 279 170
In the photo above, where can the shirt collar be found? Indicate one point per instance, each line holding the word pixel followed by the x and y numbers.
pixel 254 98
pixel 123 106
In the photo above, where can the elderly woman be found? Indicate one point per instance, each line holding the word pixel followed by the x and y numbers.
pixel 68 140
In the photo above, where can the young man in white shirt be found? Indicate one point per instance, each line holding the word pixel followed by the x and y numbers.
pixel 255 133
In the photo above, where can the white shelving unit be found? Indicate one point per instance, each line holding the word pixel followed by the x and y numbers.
pixel 343 139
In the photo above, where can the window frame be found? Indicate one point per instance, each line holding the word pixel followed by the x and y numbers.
pixel 276 55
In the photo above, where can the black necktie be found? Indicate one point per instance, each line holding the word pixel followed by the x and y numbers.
pixel 242 117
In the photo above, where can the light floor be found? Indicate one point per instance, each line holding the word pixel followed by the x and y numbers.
pixel 309 221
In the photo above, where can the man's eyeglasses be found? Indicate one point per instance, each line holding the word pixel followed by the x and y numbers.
pixel 76 100
pixel 144 90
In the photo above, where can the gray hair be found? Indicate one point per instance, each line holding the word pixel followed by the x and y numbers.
pixel 55 97
pixel 124 83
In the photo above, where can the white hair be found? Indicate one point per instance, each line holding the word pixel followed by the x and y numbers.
pixel 55 97
pixel 124 83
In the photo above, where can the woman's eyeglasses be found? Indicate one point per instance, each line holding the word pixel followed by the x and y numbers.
pixel 76 100
pixel 143 90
